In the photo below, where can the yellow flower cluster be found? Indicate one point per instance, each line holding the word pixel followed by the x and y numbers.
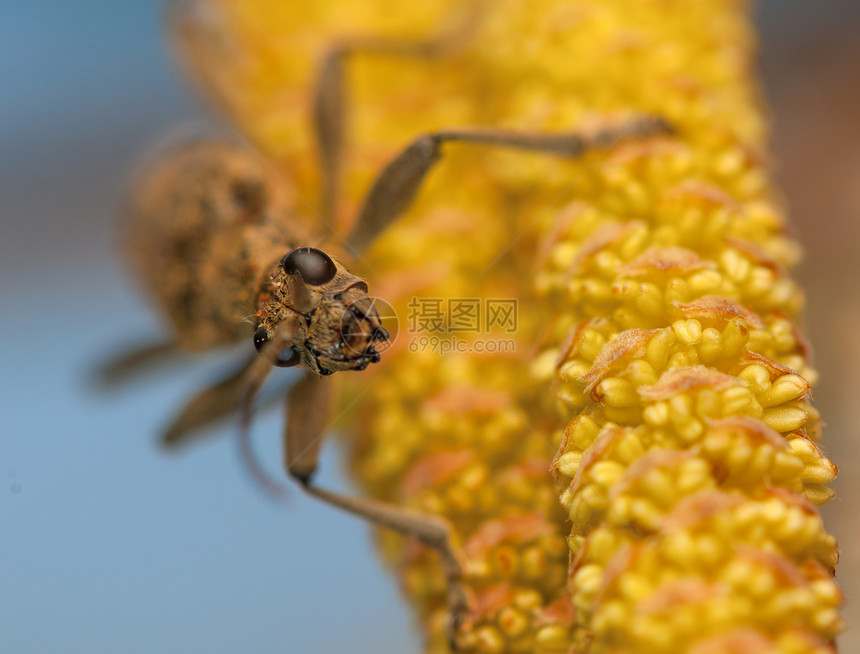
pixel 689 469
pixel 657 347
pixel 439 439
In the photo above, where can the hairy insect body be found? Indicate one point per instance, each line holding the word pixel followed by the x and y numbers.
pixel 216 238
pixel 207 226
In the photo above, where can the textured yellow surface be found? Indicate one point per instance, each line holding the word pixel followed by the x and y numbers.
pixel 657 346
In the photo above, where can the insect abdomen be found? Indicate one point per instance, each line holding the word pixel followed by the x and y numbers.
pixel 205 225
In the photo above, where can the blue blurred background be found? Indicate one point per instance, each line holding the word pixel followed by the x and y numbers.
pixel 106 543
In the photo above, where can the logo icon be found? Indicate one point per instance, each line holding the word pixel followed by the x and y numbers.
pixel 354 331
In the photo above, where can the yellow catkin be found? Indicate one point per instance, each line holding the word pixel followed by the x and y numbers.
pixel 657 371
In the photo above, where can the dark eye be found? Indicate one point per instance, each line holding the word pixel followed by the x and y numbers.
pixel 260 337
pixel 289 358
pixel 286 359
pixel 314 266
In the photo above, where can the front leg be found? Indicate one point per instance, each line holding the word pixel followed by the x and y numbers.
pixel 308 415
pixel 399 182
pixel 309 410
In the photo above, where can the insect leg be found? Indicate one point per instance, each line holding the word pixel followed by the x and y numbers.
pixel 329 109
pixel 232 393
pixel 212 404
pixel 397 185
pixel 252 379
pixel 134 362
pixel 429 530
pixel 208 406
pixel 308 413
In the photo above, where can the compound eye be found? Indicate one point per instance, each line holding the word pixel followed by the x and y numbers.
pixel 286 359
pixel 261 336
pixel 289 358
pixel 314 266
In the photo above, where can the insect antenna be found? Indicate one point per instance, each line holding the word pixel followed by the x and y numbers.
pixel 255 375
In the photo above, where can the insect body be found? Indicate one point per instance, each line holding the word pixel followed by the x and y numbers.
pixel 216 238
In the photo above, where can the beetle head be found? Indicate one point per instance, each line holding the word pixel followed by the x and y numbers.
pixel 335 323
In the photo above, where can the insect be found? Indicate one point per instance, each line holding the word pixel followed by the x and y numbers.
pixel 221 244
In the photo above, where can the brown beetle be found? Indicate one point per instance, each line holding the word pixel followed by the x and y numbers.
pixel 216 238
